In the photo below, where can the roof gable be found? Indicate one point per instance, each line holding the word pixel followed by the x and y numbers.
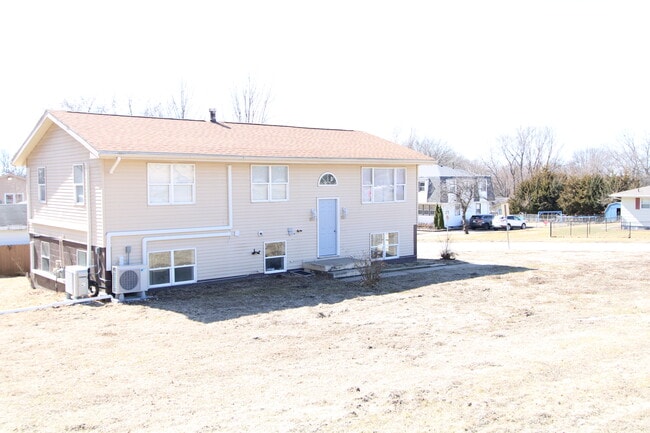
pixel 116 135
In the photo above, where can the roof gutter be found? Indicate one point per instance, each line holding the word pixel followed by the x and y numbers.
pixel 256 158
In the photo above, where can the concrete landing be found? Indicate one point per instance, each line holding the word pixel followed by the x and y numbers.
pixel 337 267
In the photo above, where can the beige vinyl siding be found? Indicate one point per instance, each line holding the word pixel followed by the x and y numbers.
pixel 127 205
pixel 232 254
pixel 57 153
pixel 274 218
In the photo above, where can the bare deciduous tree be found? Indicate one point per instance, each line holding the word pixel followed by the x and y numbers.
pixel 592 160
pixel 84 105
pixel 6 167
pixel 501 180
pixel 528 151
pixel 178 106
pixel 437 149
pixel 464 190
pixel 251 102
pixel 633 157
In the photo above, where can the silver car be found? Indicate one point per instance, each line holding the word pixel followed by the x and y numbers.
pixel 509 222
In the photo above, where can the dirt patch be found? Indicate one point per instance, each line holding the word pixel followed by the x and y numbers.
pixel 545 341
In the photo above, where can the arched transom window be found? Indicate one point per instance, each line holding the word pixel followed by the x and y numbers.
pixel 327 179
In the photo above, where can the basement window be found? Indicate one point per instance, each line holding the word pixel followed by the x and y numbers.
pixel 275 257
pixel 384 245
pixel 169 268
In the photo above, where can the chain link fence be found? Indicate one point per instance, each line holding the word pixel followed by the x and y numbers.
pixel 593 227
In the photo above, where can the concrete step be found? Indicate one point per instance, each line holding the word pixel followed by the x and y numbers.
pixel 337 267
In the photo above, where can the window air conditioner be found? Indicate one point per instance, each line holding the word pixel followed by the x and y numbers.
pixel 128 279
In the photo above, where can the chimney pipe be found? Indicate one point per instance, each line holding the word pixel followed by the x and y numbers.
pixel 213 115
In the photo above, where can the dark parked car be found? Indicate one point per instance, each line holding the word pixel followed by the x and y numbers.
pixel 481 221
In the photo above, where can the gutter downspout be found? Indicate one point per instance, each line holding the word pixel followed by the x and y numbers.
pixel 111 235
pixel 89 220
pixel 115 164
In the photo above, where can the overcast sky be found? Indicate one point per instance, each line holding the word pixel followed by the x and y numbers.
pixel 465 72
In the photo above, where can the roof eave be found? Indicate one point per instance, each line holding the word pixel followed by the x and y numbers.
pixel 252 158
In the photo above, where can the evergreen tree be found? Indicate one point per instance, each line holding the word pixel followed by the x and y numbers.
pixel 540 192
pixel 584 195
pixel 438 218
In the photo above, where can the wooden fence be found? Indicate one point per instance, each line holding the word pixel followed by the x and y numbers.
pixel 14 260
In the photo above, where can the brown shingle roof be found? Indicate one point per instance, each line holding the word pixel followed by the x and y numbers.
pixel 116 134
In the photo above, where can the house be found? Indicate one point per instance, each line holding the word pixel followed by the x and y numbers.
pixel 635 207
pixel 181 201
pixel 437 185
pixel 13 210
pixel 12 189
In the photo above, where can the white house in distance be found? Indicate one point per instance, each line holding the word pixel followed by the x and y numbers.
pixel 635 207
pixel 182 201
pixel 436 186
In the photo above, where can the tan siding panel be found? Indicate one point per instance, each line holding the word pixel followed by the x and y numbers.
pixel 58 152
pixel 127 205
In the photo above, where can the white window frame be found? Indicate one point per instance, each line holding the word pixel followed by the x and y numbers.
pixel 79 184
pixel 378 251
pixel 10 196
pixel 270 183
pixel 323 180
pixel 390 193
pixel 275 270
pixel 42 186
pixel 82 254
pixel 45 255
pixel 172 184
pixel 172 267
pixel 644 203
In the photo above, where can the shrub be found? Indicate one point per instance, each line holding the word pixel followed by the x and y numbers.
pixel 369 270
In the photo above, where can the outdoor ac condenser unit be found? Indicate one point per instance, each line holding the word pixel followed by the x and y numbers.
pixel 76 281
pixel 128 279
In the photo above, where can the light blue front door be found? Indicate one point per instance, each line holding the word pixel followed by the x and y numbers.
pixel 328 227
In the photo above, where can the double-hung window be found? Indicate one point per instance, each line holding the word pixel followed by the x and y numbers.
pixel 78 180
pixel 168 268
pixel 269 183
pixel 384 245
pixel 171 183
pixel 41 184
pixel 45 256
pixel 381 185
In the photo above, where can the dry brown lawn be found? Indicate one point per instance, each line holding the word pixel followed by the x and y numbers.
pixel 519 341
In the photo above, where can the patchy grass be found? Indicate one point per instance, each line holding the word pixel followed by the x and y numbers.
pixel 551 341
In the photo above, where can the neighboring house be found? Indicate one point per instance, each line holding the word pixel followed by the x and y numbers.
pixel 437 185
pixel 635 207
pixel 13 210
pixel 187 200
pixel 12 189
